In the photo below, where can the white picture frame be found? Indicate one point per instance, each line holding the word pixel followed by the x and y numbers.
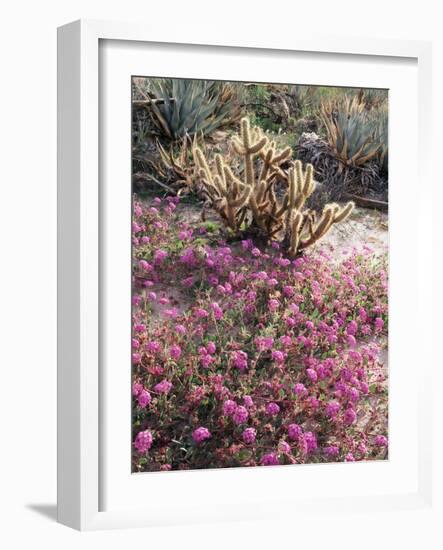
pixel 81 423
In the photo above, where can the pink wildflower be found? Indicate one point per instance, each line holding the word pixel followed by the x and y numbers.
pixel 352 328
pixel 288 291
pixel 290 322
pixel 180 329
pixel 143 441
pixel 201 313
pixel 163 387
pixel 278 356
pixel 312 375
pixel 300 390
pixel 217 311
pixel 153 346
pixel 201 434
pixel 264 342
pixel 160 255
pixel 261 275
pixel 206 360
pixel 188 282
pixel 349 416
pixel 285 341
pixel 229 407
pixel 240 360
pixel 248 402
pixel 272 409
pixel 144 265
pixel 310 441
pixel 381 441
pixel 143 398
pixel 249 435
pixel 284 447
pixel 332 409
pixel 211 348
pixel 270 459
pixel 351 341
pixel 240 415
pixel 175 352
pixel 331 451
pixel 379 324
pixel 362 314
pixel 273 305
pixel 294 432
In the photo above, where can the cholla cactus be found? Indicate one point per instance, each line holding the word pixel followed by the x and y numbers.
pixel 250 197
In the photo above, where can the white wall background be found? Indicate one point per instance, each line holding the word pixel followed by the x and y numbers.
pixel 28 258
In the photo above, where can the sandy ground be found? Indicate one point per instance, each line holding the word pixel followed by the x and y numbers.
pixel 364 228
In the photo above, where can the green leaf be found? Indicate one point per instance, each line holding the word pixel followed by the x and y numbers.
pixel 244 455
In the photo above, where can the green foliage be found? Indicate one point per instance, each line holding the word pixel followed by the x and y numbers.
pixel 372 98
pixel 189 107
pixel 303 98
pixel 352 132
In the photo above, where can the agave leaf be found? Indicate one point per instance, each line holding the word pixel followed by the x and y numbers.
pixel 161 120
pixel 370 155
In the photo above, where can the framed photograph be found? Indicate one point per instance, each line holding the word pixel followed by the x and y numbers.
pixel 240 245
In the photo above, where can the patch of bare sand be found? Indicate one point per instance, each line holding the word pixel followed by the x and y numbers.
pixel 364 228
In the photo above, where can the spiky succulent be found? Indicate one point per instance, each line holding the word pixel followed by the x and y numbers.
pixel 176 164
pixel 189 107
pixel 249 197
pixel 350 131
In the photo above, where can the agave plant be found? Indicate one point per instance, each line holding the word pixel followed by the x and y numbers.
pixel 381 134
pixel 351 133
pixel 372 98
pixel 302 97
pixel 187 107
